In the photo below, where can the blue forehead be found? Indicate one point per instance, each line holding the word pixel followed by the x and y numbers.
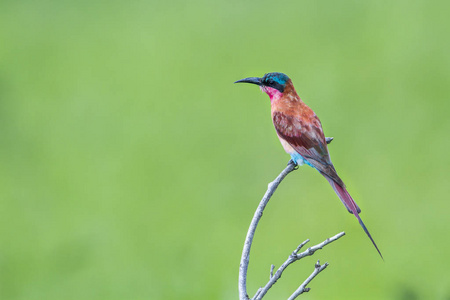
pixel 278 77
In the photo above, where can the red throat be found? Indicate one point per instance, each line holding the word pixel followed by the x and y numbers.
pixel 274 94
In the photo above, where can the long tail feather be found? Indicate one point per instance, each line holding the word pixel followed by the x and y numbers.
pixel 368 234
pixel 352 207
pixel 345 197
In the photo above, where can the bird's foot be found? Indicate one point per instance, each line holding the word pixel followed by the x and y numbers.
pixel 292 162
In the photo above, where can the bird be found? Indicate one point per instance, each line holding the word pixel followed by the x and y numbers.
pixel 301 135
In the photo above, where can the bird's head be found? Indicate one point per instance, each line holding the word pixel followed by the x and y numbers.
pixel 273 84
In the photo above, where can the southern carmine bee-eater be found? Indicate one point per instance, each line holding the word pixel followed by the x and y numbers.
pixel 300 132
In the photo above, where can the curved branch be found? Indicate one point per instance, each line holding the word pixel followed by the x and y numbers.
pixel 245 258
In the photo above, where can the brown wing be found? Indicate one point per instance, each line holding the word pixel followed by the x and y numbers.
pixel 307 138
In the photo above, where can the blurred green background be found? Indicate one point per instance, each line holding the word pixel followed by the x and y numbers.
pixel 131 165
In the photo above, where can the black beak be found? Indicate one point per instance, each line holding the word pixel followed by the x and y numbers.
pixel 254 80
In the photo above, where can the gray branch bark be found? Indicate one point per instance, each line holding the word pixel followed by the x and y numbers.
pixel 293 258
pixel 302 288
pixel 245 258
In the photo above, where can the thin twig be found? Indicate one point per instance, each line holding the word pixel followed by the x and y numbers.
pixel 292 258
pixel 302 288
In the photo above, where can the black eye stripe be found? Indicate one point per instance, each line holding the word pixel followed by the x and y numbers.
pixel 278 86
pixel 273 84
pixel 268 80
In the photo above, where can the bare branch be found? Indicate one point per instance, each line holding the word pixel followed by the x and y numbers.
pixel 292 258
pixel 300 247
pixel 310 251
pixel 258 291
pixel 245 258
pixel 302 288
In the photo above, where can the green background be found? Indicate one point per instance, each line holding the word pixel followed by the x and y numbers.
pixel 130 165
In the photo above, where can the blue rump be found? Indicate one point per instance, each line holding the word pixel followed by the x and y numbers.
pixel 300 160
